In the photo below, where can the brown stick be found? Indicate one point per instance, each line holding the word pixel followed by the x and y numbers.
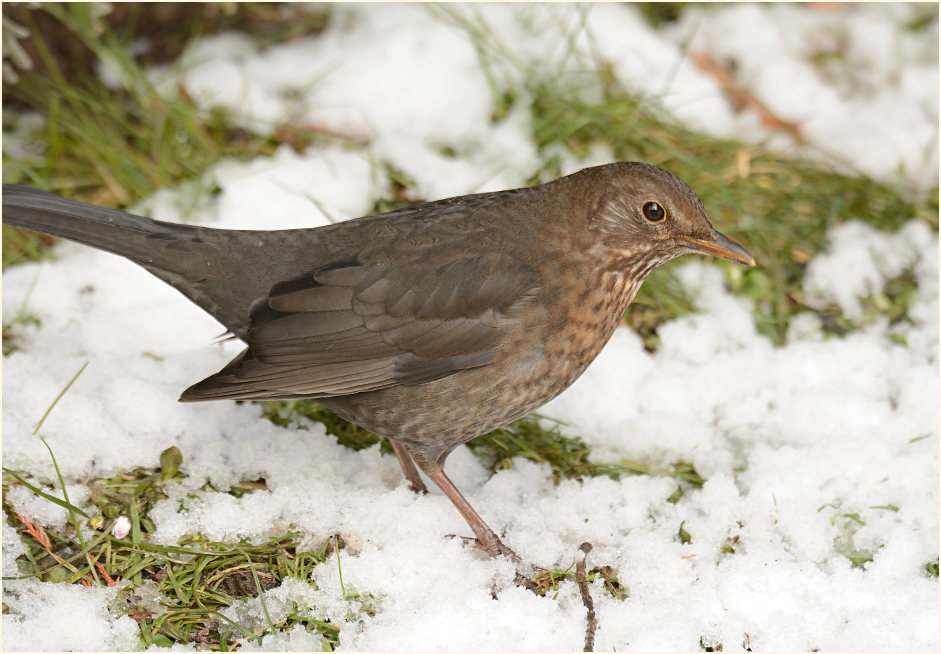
pixel 581 578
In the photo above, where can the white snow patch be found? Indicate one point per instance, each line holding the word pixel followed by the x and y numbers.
pixel 48 617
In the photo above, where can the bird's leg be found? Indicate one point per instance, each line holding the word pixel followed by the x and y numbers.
pixel 485 535
pixel 408 467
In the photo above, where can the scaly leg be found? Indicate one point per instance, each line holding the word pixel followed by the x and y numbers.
pixel 408 467
pixel 485 535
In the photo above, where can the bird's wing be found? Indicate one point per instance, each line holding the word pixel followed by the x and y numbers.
pixel 364 325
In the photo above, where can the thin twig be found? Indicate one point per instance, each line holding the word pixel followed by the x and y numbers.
pixel 581 578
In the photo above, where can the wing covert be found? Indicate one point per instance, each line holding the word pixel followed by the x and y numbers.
pixel 361 326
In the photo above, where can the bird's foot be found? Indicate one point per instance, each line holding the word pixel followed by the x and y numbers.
pixel 417 486
pixel 524 571
pixel 486 539
pixel 494 547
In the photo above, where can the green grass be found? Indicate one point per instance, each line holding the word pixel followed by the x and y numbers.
pixel 931 568
pixel 298 412
pixel 116 147
pixel 847 524
pixel 178 592
pixel 190 583
pixel 549 581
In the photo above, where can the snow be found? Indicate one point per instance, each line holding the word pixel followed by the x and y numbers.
pixel 867 258
pixel 790 439
pixel 59 617
pixel 877 82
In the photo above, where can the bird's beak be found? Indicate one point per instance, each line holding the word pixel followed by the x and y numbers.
pixel 718 245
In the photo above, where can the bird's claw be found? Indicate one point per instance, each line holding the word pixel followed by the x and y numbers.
pixel 499 549
pixel 418 488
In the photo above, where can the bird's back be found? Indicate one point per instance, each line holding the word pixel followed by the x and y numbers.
pixel 226 272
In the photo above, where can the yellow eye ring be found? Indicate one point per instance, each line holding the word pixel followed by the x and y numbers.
pixel 654 212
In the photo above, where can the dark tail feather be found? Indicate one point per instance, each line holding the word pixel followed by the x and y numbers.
pixel 131 236
pixel 181 255
pixel 223 271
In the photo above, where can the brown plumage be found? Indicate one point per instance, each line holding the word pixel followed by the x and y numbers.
pixel 429 325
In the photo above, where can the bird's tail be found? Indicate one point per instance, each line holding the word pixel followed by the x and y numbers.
pixel 188 257
pixel 135 237
pixel 224 271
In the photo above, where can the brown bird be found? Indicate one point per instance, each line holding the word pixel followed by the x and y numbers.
pixel 429 325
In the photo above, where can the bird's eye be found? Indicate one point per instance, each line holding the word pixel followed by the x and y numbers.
pixel 654 212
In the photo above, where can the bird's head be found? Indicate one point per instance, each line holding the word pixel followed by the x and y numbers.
pixel 645 214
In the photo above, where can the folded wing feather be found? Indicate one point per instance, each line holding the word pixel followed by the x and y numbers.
pixel 364 326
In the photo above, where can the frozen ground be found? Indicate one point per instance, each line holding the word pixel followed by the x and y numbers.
pixel 790 439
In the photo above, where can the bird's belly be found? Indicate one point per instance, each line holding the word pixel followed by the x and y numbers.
pixel 433 418
pixel 532 366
